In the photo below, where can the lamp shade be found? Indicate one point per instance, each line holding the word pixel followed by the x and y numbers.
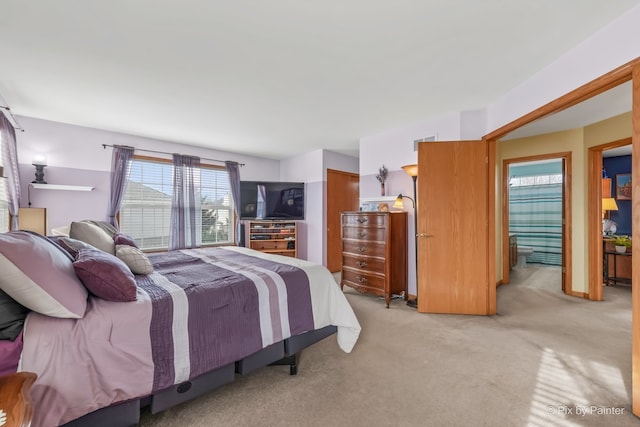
pixel 411 170
pixel 609 204
pixel 398 204
pixel 39 159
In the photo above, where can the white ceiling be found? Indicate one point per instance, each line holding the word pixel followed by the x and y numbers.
pixel 277 78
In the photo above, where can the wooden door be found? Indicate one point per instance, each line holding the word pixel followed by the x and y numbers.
pixel 343 194
pixel 453 228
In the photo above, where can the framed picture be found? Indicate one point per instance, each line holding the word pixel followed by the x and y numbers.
pixel 623 186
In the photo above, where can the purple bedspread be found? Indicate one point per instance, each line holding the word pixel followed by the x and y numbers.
pixel 227 318
pixel 200 310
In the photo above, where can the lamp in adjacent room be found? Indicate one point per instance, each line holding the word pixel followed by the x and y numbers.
pixel 412 171
pixel 608 204
pixel 40 162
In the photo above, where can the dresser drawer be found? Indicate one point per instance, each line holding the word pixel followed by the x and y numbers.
pixel 363 233
pixel 370 281
pixel 364 220
pixel 366 264
pixel 363 247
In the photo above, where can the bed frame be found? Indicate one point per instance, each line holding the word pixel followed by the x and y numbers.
pixel 126 414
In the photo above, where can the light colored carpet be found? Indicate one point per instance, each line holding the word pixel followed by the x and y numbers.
pixel 544 359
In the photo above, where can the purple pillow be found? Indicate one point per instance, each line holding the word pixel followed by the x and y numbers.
pixel 39 274
pixel 72 246
pixel 124 239
pixel 105 275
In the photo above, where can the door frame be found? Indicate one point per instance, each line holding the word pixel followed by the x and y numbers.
pixel 594 219
pixel 626 72
pixel 565 157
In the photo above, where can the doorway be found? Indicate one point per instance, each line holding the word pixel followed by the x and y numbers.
pixel 596 194
pixel 536 214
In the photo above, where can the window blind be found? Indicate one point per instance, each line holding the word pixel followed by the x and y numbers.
pixel 145 212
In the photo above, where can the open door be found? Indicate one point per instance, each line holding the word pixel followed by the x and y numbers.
pixel 453 228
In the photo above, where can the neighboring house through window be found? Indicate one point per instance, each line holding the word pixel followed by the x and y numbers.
pixel 145 212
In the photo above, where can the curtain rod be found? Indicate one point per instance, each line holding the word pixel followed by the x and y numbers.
pixel 11 119
pixel 104 146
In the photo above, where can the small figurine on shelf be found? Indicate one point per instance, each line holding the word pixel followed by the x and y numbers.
pixel 382 177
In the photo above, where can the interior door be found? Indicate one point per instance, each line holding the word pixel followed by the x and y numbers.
pixel 343 191
pixel 453 228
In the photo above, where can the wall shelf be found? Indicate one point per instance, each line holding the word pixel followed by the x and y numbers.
pixel 378 199
pixel 61 187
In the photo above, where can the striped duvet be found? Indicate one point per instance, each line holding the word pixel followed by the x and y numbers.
pixel 201 309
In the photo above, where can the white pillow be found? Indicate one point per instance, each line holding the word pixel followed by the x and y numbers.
pixel 39 275
pixel 93 235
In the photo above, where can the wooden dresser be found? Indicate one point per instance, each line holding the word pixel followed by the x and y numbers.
pixel 374 252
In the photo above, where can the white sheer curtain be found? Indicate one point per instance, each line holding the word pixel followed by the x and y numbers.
pixel 10 158
pixel 186 213
pixel 120 168
pixel 233 170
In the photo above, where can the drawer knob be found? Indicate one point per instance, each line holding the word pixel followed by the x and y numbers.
pixel 362 248
pixel 362 234
pixel 362 279
pixel 362 263
pixel 361 220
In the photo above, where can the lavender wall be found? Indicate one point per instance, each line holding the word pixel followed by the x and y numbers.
pixel 65 206
pixel 311 168
pixel 75 157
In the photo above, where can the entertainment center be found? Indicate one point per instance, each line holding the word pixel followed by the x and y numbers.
pixel 272 236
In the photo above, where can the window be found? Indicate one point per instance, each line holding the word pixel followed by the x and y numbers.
pixel 145 213
pixel 521 181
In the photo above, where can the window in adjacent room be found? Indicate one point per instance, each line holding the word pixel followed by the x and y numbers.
pixel 145 213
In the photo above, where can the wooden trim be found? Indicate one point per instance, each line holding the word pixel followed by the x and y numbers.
pixel 506 267
pixel 635 226
pixel 579 294
pixel 595 87
pixel 594 215
pixel 567 238
pixel 203 164
pixel 491 216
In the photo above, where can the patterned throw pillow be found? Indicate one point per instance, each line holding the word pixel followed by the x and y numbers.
pixel 135 259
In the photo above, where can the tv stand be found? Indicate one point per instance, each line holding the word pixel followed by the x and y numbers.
pixel 273 236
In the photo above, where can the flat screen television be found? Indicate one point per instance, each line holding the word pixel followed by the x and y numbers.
pixel 271 200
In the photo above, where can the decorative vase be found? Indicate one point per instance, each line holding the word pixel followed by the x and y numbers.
pixel 621 249
pixel 382 192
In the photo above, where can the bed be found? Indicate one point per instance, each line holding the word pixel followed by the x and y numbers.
pixel 194 321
